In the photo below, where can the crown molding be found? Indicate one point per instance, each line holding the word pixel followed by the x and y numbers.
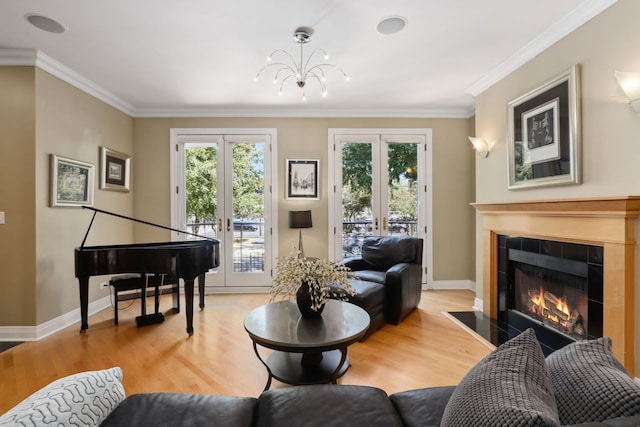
pixel 319 113
pixel 561 28
pixel 33 57
pixel 18 57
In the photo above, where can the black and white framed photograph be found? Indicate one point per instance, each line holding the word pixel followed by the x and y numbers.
pixel 71 182
pixel 543 141
pixel 302 179
pixel 115 169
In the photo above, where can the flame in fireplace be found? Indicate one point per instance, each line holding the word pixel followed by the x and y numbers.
pixel 542 303
pixel 563 307
pixel 562 311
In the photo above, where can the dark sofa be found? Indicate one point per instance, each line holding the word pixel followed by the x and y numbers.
pixel 314 405
pixel 309 406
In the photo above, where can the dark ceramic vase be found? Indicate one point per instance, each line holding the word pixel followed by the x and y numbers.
pixel 304 300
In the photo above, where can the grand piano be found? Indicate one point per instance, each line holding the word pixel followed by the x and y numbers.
pixel 187 260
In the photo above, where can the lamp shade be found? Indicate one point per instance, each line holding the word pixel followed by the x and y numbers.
pixel 480 145
pixel 629 82
pixel 300 219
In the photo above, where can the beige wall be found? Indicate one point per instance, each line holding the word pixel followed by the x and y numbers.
pixel 17 196
pixel 307 138
pixel 40 115
pixel 610 129
pixel 72 124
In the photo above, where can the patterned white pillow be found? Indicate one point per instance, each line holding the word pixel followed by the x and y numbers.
pixel 83 399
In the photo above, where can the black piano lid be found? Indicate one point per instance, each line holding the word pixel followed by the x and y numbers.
pixel 156 245
pixel 95 211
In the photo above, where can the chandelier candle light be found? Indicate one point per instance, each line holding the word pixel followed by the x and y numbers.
pixel 302 70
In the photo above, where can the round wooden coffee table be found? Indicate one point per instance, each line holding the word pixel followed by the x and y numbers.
pixel 307 351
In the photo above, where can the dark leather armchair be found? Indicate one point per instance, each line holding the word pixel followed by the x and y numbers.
pixel 395 262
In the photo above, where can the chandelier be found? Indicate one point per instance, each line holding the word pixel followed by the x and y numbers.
pixel 301 71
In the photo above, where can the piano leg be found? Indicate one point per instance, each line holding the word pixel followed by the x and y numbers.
pixel 83 283
pixel 143 295
pixel 201 290
pixel 188 302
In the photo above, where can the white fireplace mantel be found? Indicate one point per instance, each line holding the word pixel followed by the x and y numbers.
pixel 609 222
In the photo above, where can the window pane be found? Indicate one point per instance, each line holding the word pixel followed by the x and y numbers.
pixel 403 192
pixel 201 189
pixel 356 195
pixel 248 207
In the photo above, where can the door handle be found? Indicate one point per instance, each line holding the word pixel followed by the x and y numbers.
pixel 228 224
pixel 376 223
pixel 384 222
pixel 219 224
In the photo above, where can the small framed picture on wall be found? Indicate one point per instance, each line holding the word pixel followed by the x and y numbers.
pixel 303 179
pixel 115 169
pixel 71 182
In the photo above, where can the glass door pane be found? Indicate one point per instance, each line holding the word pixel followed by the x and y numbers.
pixel 359 195
pixel 248 205
pixel 402 189
pixel 201 171
pixel 203 200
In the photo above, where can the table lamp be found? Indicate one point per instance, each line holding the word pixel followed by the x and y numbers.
pixel 300 219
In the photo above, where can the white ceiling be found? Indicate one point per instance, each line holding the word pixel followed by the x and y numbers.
pixel 199 57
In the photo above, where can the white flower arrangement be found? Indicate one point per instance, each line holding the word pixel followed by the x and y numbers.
pixel 326 279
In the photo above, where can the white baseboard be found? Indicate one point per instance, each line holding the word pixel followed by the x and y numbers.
pixel 35 333
pixel 453 285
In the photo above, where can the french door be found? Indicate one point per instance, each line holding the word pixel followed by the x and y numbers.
pixel 222 180
pixel 381 183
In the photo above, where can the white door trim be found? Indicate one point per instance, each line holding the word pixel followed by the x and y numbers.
pixel 271 196
pixel 425 211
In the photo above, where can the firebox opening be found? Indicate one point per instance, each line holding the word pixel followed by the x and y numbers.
pixel 557 299
pixel 554 287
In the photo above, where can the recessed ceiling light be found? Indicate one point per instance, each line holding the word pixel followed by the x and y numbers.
pixel 391 25
pixel 45 24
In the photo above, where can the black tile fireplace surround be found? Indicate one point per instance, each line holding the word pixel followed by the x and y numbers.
pixel 584 263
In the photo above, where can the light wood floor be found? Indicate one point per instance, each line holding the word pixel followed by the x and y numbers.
pixel 426 349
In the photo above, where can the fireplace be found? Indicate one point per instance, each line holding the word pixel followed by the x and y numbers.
pixel 553 287
pixel 554 299
pixel 608 223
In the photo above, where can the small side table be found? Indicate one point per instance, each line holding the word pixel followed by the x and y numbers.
pixel 307 351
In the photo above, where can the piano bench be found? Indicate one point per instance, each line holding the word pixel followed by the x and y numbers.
pixel 136 282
